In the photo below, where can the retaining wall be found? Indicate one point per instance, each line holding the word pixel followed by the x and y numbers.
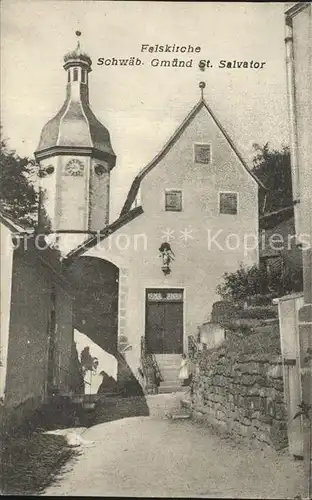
pixel 243 397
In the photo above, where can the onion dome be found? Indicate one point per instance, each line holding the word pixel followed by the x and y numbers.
pixel 73 56
pixel 75 129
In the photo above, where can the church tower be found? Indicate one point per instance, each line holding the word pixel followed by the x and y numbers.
pixel 75 157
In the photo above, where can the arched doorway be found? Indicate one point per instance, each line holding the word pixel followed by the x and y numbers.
pixel 96 300
pixel 95 319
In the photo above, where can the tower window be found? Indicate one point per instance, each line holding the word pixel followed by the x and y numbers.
pixel 202 153
pixel 75 75
pixel 173 200
pixel 84 76
pixel 68 76
pixel 228 203
pixel 47 170
pixel 99 170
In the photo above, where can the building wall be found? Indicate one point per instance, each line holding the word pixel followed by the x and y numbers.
pixel 302 35
pixel 28 337
pixel 75 201
pixel 27 363
pixel 99 195
pixel 65 197
pixel 286 247
pixel 73 195
pixel 299 85
pixel 48 191
pixel 64 339
pixel 6 256
pixel 197 269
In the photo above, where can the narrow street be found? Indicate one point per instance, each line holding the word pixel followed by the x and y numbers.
pixel 157 456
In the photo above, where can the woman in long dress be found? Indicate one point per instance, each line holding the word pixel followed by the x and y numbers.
pixel 184 371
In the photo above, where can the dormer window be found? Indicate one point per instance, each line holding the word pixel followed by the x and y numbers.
pixel 202 153
pixel 173 200
pixel 75 78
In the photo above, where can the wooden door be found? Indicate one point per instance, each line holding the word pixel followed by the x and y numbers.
pixel 164 321
pixel 155 327
pixel 173 328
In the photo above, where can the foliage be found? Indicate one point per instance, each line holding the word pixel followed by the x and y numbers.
pixel 18 196
pixel 258 312
pixel 284 281
pixel 239 286
pixel 255 343
pixel 31 462
pixel 273 169
pixel 243 342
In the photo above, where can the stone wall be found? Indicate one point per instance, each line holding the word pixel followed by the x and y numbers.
pixel 211 334
pixel 27 369
pixel 241 396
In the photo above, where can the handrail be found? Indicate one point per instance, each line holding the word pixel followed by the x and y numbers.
pixel 70 373
pixel 192 345
pixel 151 372
pixel 157 369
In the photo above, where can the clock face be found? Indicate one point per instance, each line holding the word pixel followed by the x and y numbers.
pixel 74 168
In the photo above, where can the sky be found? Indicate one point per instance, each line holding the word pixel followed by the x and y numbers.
pixel 143 105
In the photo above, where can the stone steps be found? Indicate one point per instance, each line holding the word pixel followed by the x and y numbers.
pixel 171 383
pixel 169 365
pixel 170 374
pixel 168 389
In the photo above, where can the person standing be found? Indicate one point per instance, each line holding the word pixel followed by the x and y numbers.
pixel 184 374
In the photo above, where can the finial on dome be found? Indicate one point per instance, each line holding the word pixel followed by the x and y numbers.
pixel 77 56
pixel 202 85
pixel 78 34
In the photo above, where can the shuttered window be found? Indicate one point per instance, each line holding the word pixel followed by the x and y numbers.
pixel 228 203
pixel 202 153
pixel 173 200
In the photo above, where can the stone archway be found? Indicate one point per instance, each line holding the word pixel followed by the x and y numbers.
pixel 100 289
pixel 95 319
pixel 96 284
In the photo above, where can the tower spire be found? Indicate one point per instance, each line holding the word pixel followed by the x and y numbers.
pixel 75 148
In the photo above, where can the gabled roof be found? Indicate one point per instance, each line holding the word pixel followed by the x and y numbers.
pixel 273 219
pixel 288 211
pixel 173 139
pixel 13 225
pixel 36 244
pixel 127 213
